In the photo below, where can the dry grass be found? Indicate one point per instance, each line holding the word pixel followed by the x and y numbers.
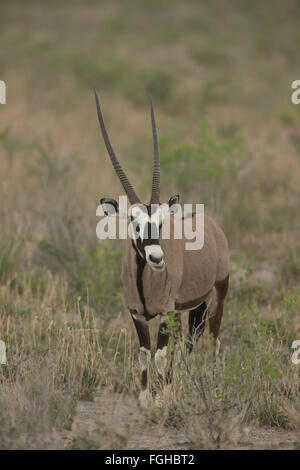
pixel 220 77
pixel 50 365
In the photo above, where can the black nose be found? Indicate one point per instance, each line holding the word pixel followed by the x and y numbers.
pixel 155 259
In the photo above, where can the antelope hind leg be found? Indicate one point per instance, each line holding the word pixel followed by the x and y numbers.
pixel 216 318
pixel 197 318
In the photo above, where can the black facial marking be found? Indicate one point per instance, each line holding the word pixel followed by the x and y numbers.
pixel 140 247
pixel 151 234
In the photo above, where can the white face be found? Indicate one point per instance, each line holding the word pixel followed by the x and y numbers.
pixel 144 228
pixel 146 234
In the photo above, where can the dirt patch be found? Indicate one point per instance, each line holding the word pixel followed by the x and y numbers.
pixel 115 421
pixel 271 438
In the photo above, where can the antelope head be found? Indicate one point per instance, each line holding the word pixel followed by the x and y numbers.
pixel 145 219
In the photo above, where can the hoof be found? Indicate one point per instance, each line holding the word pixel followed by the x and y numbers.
pixel 144 398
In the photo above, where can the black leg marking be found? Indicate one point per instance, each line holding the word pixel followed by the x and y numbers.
pixel 197 318
pixel 144 380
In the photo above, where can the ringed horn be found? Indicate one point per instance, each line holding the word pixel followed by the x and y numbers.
pixel 132 196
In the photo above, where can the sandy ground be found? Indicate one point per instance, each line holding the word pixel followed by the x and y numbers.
pixel 99 420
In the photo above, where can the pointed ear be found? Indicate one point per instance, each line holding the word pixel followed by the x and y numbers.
pixel 173 201
pixel 110 207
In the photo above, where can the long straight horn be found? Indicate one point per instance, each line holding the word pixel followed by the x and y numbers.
pixel 156 163
pixel 132 196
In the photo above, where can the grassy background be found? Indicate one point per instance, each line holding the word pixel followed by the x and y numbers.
pixel 220 74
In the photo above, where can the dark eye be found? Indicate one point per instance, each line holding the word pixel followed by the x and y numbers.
pixel 137 229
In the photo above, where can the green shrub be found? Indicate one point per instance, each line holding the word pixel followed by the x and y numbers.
pixel 291 266
pixel 156 82
pixel 208 166
pixel 113 72
pixel 93 274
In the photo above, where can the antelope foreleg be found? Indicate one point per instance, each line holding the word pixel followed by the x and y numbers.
pixel 160 358
pixel 142 329
pixel 165 354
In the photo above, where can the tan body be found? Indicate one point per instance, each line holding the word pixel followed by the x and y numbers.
pixel 188 278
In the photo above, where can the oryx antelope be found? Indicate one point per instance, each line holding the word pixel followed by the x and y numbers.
pixel 160 276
